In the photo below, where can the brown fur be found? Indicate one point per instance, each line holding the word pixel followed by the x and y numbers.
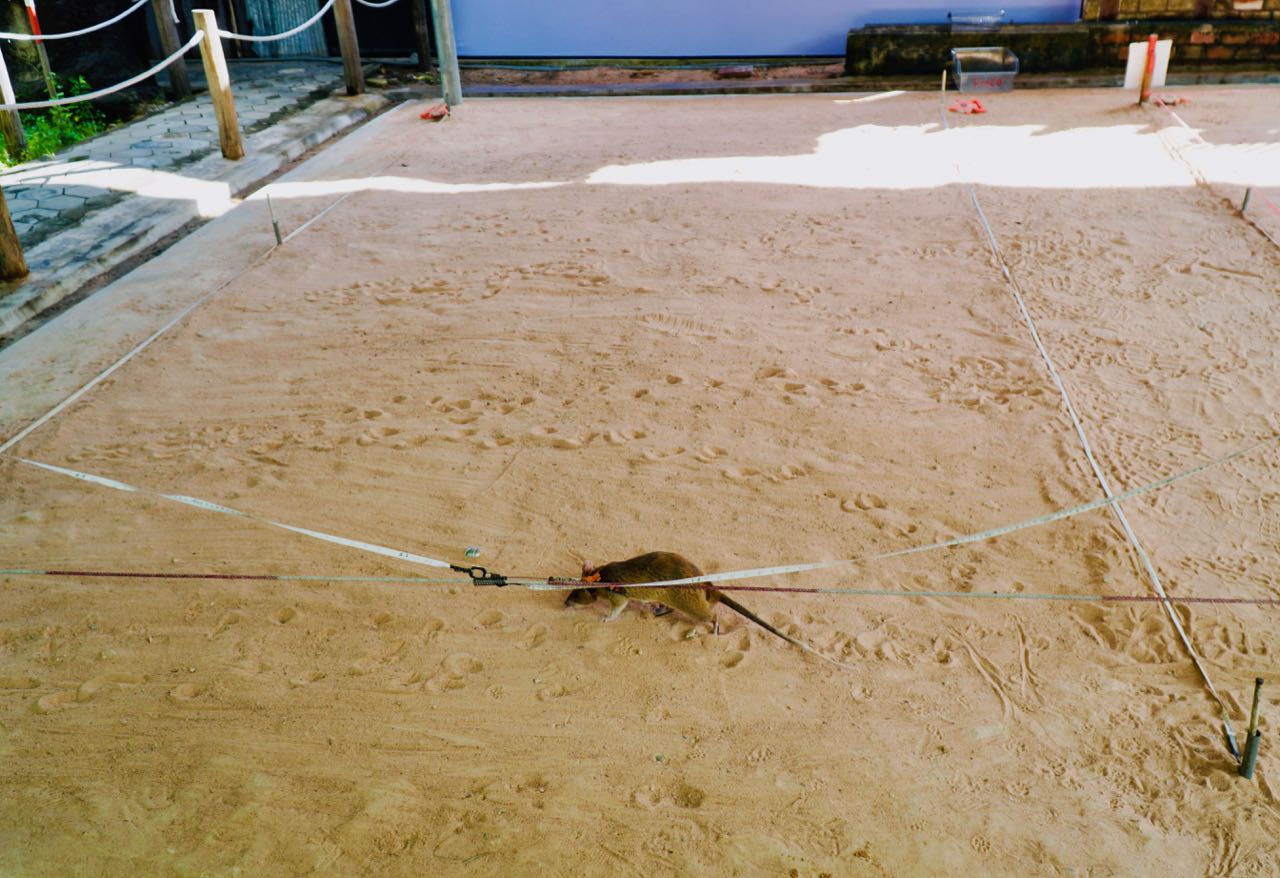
pixel 618 582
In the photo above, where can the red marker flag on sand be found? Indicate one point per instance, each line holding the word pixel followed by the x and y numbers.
pixel 435 113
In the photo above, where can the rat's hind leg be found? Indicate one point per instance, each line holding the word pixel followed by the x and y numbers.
pixel 617 603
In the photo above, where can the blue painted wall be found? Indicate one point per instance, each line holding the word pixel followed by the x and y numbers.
pixel 706 28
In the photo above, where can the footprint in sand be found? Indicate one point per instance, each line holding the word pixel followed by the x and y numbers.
pixel 863 502
pixel 306 679
pixel 710 453
pixel 431 629
pixel 489 619
pixel 454 670
pixel 654 455
pixel 228 619
pixel 731 659
pixel 185 692
pixel 534 637
pixel 622 437
pixel 380 620
pixel 498 440
pixel 284 615
pixel 675 379
pixel 553 692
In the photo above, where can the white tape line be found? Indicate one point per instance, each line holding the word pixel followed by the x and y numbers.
pixel 226 510
pixel 1145 559
pixel 992 533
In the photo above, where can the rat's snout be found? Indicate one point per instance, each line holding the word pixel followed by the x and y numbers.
pixel 588 568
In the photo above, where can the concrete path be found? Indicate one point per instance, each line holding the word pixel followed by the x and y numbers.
pixel 95 205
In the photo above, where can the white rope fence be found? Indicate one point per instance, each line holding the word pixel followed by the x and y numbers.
pixel 249 38
pixel 103 92
pixel 5 35
pixel 383 5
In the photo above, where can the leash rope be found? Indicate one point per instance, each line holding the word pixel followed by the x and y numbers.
pixel 559 584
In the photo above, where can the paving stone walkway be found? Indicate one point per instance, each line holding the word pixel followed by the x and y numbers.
pixel 45 197
pixel 92 209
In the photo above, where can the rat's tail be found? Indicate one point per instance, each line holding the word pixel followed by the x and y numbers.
pixel 743 611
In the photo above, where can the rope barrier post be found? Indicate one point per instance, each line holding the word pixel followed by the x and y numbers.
pixel 421 33
pixel 179 84
pixel 15 138
pixel 350 45
pixel 13 264
pixel 1149 70
pixel 215 73
pixel 41 52
pixel 450 79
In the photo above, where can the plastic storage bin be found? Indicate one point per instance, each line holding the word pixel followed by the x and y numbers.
pixel 988 69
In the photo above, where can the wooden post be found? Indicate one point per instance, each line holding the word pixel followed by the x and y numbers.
pixel 41 53
pixel 448 52
pixel 1149 70
pixel 179 85
pixel 215 73
pixel 13 264
pixel 350 45
pixel 15 139
pixel 421 33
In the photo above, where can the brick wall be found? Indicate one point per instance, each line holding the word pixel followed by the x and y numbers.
pixel 1198 44
pixel 1104 10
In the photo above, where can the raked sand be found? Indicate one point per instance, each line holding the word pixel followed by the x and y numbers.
pixel 756 331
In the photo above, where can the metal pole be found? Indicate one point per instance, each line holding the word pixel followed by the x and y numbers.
pixel 1257 703
pixel 179 85
pixel 215 73
pixel 421 33
pixel 15 139
pixel 350 45
pixel 1250 760
pixel 450 79
pixel 13 264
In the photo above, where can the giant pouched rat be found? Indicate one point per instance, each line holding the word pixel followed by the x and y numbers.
pixel 696 601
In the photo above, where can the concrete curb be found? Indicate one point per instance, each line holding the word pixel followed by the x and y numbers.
pixel 63 263
pixel 845 84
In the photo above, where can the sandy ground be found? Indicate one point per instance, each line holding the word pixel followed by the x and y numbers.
pixel 753 330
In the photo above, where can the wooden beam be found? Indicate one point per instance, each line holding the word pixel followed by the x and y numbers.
pixel 215 73
pixel 179 85
pixel 421 33
pixel 350 45
pixel 442 16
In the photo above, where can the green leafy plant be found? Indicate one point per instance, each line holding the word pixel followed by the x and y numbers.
pixel 50 130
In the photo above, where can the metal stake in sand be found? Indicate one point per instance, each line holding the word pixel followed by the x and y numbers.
pixel 1248 193
pixel 275 223
pixel 1254 739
